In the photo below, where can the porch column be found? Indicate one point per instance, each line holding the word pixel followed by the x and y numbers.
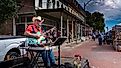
pixel 67 30
pixel 72 30
pixel 36 4
pixel 14 27
pixel 81 30
pixel 76 28
pixel 76 31
pixel 85 29
pixel 61 25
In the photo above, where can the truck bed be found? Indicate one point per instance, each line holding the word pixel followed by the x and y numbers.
pixel 3 37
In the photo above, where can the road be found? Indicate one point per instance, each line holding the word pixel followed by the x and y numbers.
pixel 99 56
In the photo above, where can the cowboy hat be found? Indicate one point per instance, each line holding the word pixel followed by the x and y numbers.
pixel 36 18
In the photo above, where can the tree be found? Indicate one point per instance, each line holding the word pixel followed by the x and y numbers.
pixel 8 9
pixel 88 18
pixel 96 21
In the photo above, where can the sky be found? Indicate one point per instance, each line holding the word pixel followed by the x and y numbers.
pixel 110 8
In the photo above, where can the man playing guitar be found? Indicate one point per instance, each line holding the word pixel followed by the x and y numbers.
pixel 35 32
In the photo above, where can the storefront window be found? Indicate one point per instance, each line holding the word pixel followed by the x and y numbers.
pixel 29 19
pixel 20 28
pixel 40 3
pixel 17 20
pixel 21 22
pixel 22 19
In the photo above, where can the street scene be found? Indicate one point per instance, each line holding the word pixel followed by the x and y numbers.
pixel 103 56
pixel 60 34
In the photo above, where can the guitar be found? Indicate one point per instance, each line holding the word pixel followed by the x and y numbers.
pixel 41 39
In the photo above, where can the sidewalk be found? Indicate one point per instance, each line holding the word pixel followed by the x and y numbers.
pixel 71 45
pixel 76 43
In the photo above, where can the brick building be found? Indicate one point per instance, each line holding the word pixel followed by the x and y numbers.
pixel 67 15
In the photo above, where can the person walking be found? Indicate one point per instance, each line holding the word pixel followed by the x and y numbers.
pixel 100 39
pixel 93 36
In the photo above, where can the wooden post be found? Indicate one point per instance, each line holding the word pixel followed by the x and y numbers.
pixel 72 31
pixel 81 31
pixel 67 30
pixel 61 25
pixel 14 27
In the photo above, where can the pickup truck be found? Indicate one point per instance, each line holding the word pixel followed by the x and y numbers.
pixel 9 47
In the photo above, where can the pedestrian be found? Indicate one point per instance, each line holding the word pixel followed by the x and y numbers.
pixel 93 36
pixel 69 37
pixel 35 32
pixel 104 38
pixel 100 39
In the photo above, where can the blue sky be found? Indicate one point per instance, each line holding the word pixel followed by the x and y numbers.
pixel 110 8
pixel 110 23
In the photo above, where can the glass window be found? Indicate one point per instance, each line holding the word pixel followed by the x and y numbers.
pixel 20 28
pixel 40 3
pixel 17 20
pixel 29 19
pixel 22 19
pixel 57 4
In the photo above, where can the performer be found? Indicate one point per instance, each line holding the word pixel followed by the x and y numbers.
pixel 35 32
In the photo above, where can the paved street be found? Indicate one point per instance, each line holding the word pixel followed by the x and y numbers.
pixel 99 56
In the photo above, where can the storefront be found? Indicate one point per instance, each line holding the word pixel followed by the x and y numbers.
pixel 67 16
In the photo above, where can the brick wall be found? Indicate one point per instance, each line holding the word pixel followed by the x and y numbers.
pixel 27 6
pixel 6 28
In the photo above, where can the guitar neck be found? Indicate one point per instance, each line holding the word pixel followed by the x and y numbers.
pixel 48 30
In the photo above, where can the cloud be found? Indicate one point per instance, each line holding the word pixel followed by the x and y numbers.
pixel 110 3
pixel 110 8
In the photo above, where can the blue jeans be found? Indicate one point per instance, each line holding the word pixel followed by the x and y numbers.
pixel 48 57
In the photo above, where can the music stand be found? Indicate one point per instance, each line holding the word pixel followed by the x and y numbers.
pixel 59 41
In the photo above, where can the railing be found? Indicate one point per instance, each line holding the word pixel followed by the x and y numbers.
pixel 58 4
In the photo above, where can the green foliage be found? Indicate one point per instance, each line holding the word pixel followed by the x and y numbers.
pixel 8 9
pixel 96 21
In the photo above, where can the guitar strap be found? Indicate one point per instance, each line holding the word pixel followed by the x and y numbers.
pixel 33 31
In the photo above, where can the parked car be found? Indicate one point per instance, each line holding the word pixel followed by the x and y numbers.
pixel 9 47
